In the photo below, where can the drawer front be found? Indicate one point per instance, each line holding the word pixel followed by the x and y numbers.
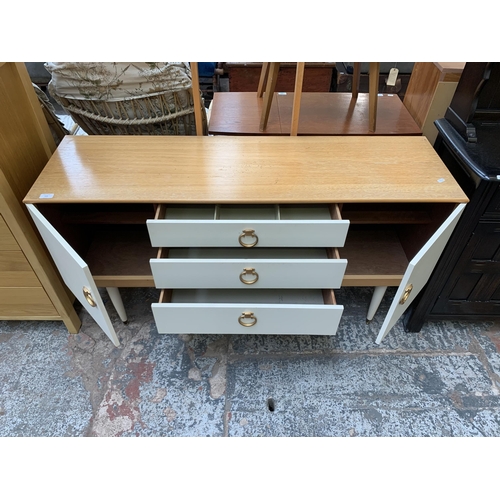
pixel 275 319
pixel 26 303
pixel 248 226
pixel 252 233
pixel 16 271
pixel 7 241
pixel 247 273
pixel 280 312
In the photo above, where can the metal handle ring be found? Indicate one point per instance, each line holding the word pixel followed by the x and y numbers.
pixel 251 234
pixel 247 315
pixel 249 270
pixel 88 297
pixel 406 294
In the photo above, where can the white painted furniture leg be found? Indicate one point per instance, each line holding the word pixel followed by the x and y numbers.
pixel 378 295
pixel 116 299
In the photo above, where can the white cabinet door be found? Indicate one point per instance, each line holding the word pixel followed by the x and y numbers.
pixel 419 271
pixel 74 272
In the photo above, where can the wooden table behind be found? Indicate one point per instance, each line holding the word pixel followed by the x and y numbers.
pixel 321 113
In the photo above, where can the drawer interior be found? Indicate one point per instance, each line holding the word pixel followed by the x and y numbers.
pixel 263 296
pixel 246 253
pixel 248 212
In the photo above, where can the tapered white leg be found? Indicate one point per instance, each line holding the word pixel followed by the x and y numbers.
pixel 378 295
pixel 116 299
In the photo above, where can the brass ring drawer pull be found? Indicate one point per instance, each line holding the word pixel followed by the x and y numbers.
pixel 248 233
pixel 247 315
pixel 406 294
pixel 249 270
pixel 88 297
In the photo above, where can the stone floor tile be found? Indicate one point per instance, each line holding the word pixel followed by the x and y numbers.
pixel 361 395
pixel 37 396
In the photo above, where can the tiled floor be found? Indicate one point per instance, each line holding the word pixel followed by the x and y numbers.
pixel 443 381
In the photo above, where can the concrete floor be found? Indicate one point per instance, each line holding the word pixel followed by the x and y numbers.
pixel 443 381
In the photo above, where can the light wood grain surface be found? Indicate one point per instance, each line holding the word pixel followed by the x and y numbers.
pixel 218 169
pixel 450 67
pixel 26 144
pixel 321 113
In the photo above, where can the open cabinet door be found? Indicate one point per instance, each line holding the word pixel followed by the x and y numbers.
pixel 74 272
pixel 419 271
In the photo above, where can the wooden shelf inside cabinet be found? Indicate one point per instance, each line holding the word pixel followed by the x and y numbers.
pixel 374 258
pixel 119 257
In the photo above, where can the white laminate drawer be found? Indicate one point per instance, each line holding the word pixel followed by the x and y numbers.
pixel 248 226
pixel 280 312
pixel 248 268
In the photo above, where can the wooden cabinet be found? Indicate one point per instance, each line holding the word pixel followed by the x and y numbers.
pixel 30 287
pixel 205 219
pixel 430 90
pixel 318 76
pixel 466 281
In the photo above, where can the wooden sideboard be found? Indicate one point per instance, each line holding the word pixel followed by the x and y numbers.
pixel 112 208
pixel 30 287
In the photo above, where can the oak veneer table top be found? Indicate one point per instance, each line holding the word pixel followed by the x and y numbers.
pixel 321 113
pixel 251 169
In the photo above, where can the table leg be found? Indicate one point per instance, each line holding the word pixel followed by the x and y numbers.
pixel 356 78
pixel 268 96
pixel 372 96
pixel 196 98
pixel 116 300
pixel 263 79
pixel 378 295
pixel 299 78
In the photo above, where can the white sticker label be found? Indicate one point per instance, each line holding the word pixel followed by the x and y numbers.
pixel 47 195
pixel 393 76
pixel 281 93
pixel 441 180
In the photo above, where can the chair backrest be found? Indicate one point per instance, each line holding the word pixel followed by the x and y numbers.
pixel 128 98
pixel 169 113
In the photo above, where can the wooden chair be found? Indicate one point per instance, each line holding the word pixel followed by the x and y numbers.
pixel 269 76
pixel 168 113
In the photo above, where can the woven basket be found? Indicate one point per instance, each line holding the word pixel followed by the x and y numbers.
pixel 169 113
